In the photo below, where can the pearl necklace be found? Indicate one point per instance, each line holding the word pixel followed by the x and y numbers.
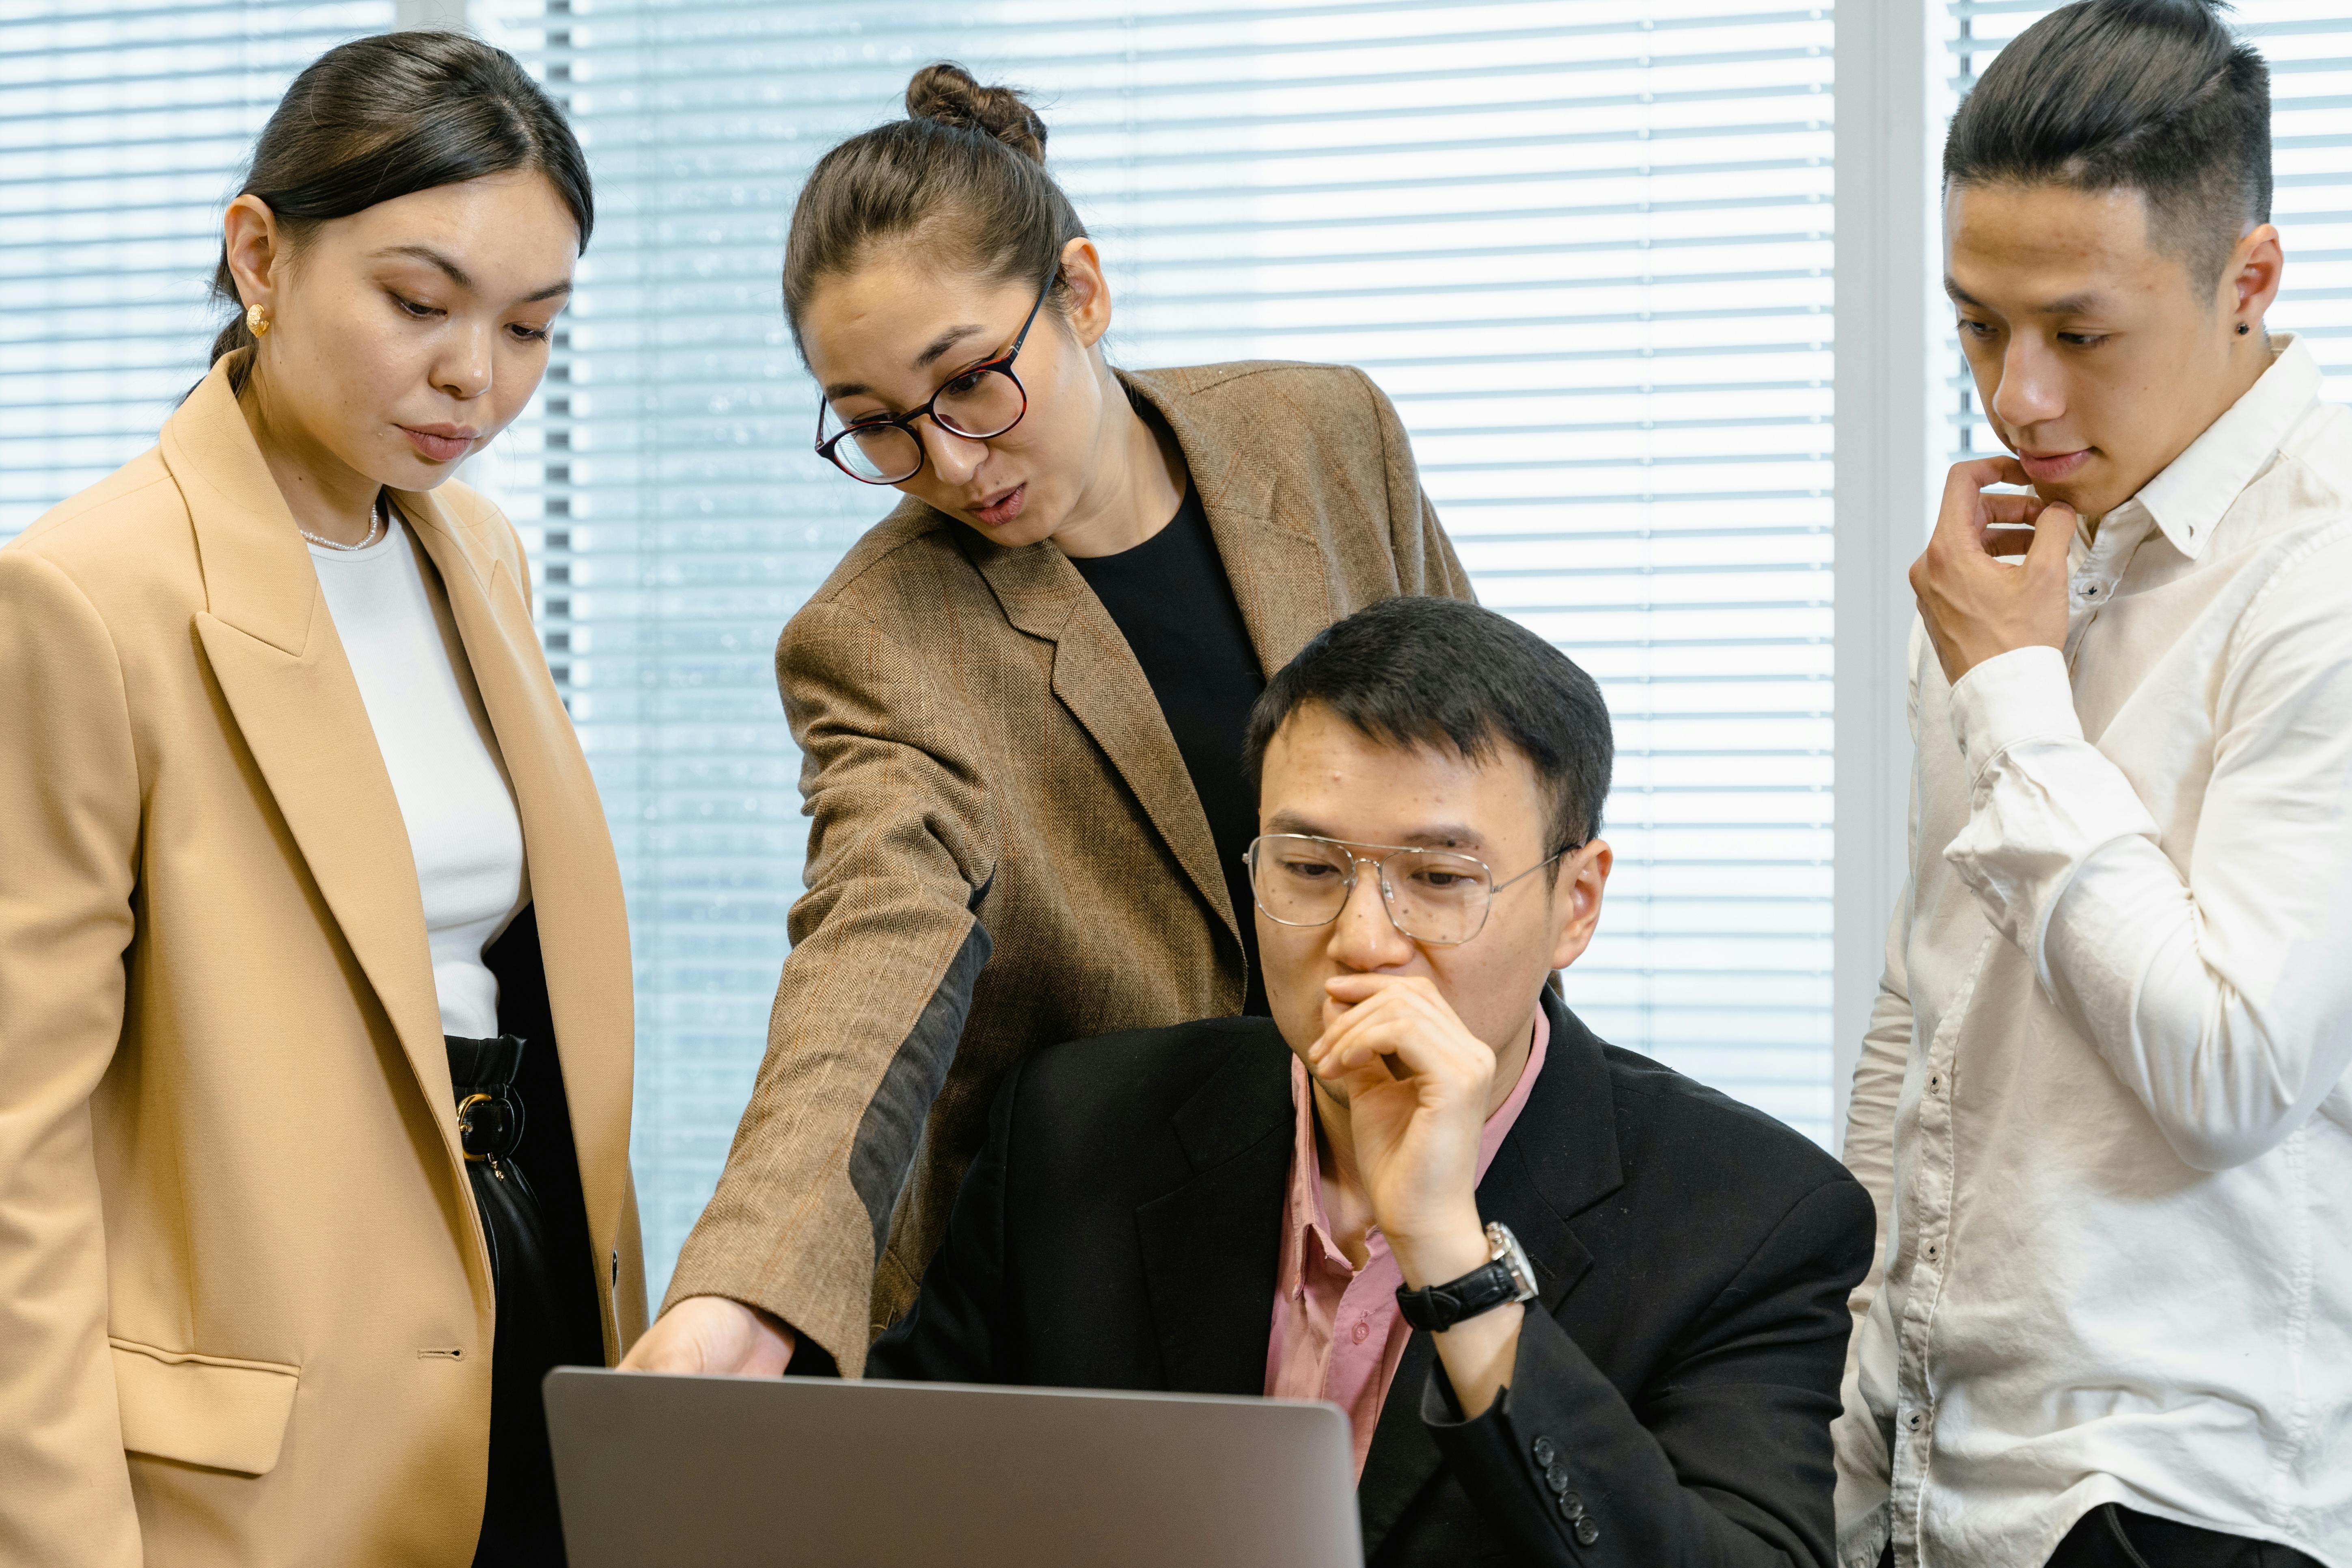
pixel 376 526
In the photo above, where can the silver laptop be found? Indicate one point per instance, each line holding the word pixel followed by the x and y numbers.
pixel 655 1471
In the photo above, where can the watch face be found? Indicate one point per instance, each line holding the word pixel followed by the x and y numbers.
pixel 1505 1248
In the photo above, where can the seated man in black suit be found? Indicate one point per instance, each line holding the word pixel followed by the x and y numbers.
pixel 1579 1309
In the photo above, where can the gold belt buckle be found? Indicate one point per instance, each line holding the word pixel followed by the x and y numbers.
pixel 465 1126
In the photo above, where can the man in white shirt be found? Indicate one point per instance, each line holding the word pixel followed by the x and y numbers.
pixel 2101 1103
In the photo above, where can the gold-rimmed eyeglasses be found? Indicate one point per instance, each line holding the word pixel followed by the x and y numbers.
pixel 1432 896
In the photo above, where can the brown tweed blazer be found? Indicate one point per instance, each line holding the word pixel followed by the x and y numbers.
pixel 1007 851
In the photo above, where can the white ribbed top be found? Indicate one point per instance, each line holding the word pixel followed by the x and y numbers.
pixel 463 829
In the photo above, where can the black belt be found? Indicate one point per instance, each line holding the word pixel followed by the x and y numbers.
pixel 490 1108
pixel 519 1524
pixel 489 1129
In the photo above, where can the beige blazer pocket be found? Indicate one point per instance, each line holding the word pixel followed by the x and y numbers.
pixel 202 1410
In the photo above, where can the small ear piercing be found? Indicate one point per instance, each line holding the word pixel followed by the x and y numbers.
pixel 2243 329
pixel 257 321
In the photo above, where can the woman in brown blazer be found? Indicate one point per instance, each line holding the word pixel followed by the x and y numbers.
pixel 1021 700
pixel 314 971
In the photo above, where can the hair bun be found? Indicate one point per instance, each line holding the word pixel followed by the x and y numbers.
pixel 947 93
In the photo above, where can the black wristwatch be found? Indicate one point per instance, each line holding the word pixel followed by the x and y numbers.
pixel 1506 1276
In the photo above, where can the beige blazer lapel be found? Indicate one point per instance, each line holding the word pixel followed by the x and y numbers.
pixel 575 882
pixel 272 648
pixel 1097 678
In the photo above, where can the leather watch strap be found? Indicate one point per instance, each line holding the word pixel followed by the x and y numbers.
pixel 1433 1308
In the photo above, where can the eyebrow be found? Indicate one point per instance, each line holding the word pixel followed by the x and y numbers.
pixel 458 274
pixel 2070 305
pixel 945 342
pixel 2082 304
pixel 835 391
pixel 1436 836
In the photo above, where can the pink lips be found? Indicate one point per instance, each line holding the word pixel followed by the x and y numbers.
pixel 2054 468
pixel 440 442
pixel 1005 509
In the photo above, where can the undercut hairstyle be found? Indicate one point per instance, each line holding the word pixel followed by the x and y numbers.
pixel 388 116
pixel 1439 674
pixel 2156 96
pixel 961 182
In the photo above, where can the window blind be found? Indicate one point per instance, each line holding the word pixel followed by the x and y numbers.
pixel 2309 46
pixel 123 128
pixel 1584 246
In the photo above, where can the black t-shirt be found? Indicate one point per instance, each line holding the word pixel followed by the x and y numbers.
pixel 1172 602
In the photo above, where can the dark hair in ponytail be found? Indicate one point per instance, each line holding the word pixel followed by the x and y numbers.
pixel 393 114
pixel 962 179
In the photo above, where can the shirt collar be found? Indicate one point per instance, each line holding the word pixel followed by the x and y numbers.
pixel 2188 499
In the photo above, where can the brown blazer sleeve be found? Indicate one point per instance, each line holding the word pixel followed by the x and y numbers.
pixel 69 838
pixel 872 1003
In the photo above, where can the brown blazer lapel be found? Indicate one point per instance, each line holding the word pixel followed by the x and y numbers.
pixel 272 648
pixel 576 883
pixel 1273 561
pixel 1275 566
pixel 1097 678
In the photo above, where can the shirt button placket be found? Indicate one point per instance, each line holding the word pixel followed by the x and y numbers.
pixel 2095 582
pixel 1928 1217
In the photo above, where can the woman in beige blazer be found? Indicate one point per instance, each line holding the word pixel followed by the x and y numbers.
pixel 1021 700
pixel 300 853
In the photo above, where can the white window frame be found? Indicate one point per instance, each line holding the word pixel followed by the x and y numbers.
pixel 1888 282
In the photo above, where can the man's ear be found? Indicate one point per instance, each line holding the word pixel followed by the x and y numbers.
pixel 1577 887
pixel 2251 281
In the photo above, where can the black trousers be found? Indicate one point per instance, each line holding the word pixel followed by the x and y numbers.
pixel 525 1177
pixel 2113 1537
pixel 520 1525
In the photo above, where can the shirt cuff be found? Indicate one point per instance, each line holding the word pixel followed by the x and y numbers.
pixel 2021 695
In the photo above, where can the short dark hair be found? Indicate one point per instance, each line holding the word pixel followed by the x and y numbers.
pixel 1442 673
pixel 2156 96
pixel 393 114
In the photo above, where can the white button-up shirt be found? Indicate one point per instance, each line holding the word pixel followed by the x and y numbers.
pixel 2102 1104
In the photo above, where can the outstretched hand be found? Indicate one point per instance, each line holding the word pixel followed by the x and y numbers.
pixel 712 1335
pixel 1976 605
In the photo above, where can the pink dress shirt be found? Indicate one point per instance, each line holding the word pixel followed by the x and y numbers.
pixel 1338 1334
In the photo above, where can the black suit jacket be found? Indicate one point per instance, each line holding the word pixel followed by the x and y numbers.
pixel 1121 1230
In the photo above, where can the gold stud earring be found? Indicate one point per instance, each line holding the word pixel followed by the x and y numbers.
pixel 256 320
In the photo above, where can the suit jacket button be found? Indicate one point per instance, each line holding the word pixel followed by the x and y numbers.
pixel 1557 1477
pixel 1587 1532
pixel 1545 1453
